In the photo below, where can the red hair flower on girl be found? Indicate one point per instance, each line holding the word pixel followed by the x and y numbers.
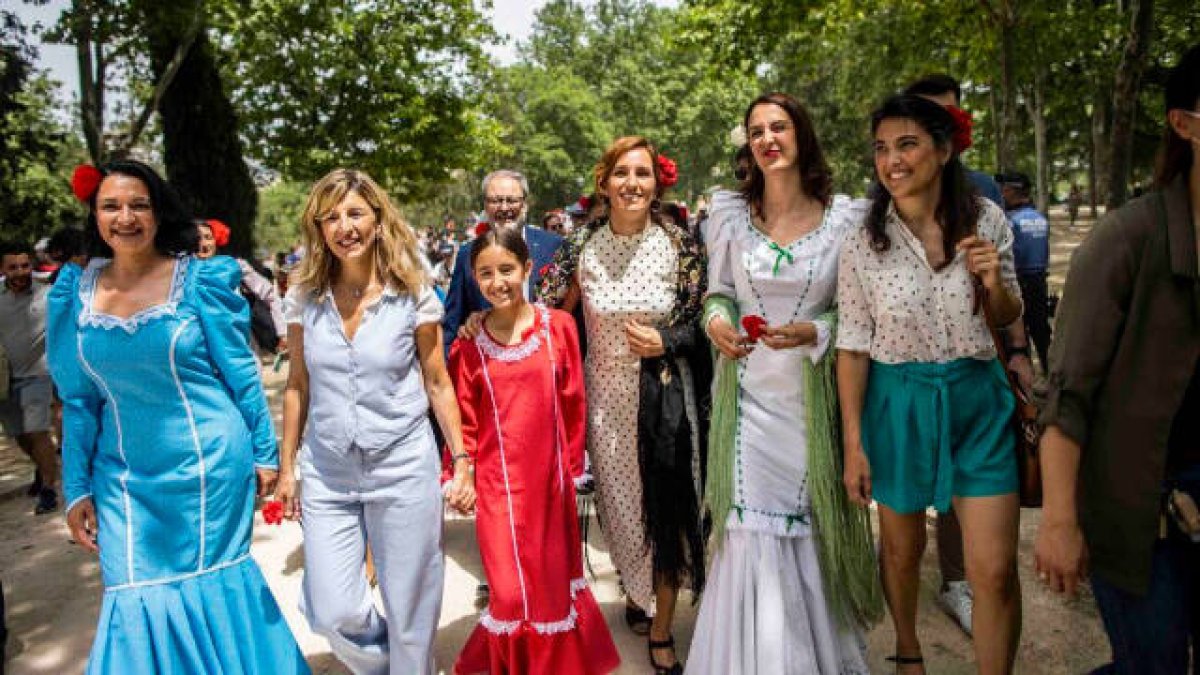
pixel 668 172
pixel 220 232
pixel 85 180
pixel 962 127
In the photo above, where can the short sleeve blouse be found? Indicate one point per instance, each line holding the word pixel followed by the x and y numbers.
pixel 428 308
pixel 893 305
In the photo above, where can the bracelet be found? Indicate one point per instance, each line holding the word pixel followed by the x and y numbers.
pixel 462 455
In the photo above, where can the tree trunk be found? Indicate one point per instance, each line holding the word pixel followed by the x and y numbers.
pixel 201 148
pixel 1037 113
pixel 1006 152
pixel 1124 96
pixel 1099 174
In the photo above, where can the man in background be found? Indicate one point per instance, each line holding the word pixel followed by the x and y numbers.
pixel 1031 252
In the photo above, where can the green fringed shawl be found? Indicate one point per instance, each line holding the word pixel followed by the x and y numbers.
pixel 845 541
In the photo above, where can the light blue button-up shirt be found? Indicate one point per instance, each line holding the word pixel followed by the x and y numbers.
pixel 366 392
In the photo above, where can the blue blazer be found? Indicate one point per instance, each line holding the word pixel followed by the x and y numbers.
pixel 464 296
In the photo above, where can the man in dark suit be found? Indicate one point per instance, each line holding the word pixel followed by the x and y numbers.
pixel 506 204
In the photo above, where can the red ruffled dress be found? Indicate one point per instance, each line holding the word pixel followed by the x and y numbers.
pixel 524 421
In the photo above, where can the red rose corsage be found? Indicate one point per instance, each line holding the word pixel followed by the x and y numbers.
pixel 668 172
pixel 962 127
pixel 273 512
pixel 753 325
pixel 85 180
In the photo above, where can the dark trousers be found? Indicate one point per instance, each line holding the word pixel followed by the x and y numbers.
pixel 1037 310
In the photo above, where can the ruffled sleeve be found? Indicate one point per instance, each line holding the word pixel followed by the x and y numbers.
pixel 728 209
pixel 225 320
pixel 845 217
pixel 428 307
pixel 82 402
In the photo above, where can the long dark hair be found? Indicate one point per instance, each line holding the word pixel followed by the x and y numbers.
pixel 508 238
pixel 1182 93
pixel 958 205
pixel 176 233
pixel 816 179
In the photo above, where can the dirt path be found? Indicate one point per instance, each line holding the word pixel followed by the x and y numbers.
pixel 53 590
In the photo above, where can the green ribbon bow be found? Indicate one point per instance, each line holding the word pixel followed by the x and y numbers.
pixel 780 254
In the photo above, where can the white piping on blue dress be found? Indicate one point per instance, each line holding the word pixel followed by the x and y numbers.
pixel 191 418
pixel 512 526
pixel 179 577
pixel 120 449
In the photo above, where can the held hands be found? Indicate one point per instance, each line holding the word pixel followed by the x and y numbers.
pixel 461 495
pixel 644 341
pixel 287 492
pixel 81 520
pixel 1060 554
pixel 266 479
pixel 983 260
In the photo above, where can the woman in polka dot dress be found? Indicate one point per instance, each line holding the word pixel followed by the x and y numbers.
pixel 640 279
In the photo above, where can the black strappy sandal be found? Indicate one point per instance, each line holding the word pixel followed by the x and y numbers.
pixel 636 619
pixel 906 660
pixel 675 668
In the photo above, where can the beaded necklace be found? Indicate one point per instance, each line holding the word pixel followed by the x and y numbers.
pixel 781 253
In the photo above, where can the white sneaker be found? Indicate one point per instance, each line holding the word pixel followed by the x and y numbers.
pixel 957 601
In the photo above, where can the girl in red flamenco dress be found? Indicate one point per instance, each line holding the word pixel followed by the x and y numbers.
pixel 520 390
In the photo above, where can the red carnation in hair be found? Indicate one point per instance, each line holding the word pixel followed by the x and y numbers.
pixel 220 231
pixel 85 180
pixel 273 512
pixel 482 228
pixel 754 325
pixel 962 127
pixel 585 202
pixel 668 172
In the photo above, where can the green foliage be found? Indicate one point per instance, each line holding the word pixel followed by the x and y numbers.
pixel 280 207
pixel 37 153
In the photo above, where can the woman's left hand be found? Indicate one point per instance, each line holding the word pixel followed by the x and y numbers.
pixel 461 495
pixel 266 480
pixel 983 260
pixel 644 341
pixel 789 335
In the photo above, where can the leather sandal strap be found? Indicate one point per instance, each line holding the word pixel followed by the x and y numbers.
pixel 906 660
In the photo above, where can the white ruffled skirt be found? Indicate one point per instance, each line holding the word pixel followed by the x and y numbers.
pixel 764 611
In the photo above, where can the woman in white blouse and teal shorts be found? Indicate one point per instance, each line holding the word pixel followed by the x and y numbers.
pixel 925 402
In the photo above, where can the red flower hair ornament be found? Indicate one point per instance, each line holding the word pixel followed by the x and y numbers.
pixel 962 127
pixel 668 172
pixel 482 228
pixel 220 231
pixel 85 180
pixel 585 202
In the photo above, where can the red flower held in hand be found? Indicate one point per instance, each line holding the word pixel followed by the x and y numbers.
pixel 668 172
pixel 962 127
pixel 273 512
pixel 85 180
pixel 753 325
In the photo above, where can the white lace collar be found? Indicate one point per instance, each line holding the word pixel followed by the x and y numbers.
pixel 87 292
pixel 527 347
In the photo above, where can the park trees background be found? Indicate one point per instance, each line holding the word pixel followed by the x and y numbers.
pixel 244 102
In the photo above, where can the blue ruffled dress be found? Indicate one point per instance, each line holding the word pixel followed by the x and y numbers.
pixel 164 421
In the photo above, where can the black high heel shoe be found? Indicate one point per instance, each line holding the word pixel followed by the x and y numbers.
pixel 675 668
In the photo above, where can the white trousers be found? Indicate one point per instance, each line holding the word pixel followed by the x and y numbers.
pixel 392 499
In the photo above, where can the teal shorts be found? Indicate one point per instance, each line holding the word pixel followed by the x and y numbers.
pixel 936 430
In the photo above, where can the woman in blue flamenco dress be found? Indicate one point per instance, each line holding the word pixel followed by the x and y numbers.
pixel 166 435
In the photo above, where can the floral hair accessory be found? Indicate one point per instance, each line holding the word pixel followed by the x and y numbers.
pixel 273 512
pixel 753 325
pixel 585 202
pixel 668 172
pixel 220 231
pixel 481 228
pixel 85 180
pixel 962 127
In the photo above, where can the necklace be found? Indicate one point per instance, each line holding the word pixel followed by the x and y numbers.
pixel 781 253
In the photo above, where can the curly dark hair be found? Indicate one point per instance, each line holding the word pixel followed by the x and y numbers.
pixel 816 179
pixel 176 233
pixel 958 205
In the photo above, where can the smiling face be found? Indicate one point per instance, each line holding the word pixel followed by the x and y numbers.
pixel 504 201
pixel 501 276
pixel 631 186
pixel 906 159
pixel 124 215
pixel 772 137
pixel 18 271
pixel 350 228
pixel 208 243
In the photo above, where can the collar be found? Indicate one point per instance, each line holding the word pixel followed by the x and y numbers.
pixel 1181 232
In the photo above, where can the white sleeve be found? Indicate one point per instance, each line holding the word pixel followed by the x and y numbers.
pixel 294 304
pixel 727 208
pixel 429 308
pixel 993 224
pixel 856 326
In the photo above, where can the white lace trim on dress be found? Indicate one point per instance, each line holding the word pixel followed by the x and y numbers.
pixel 498 627
pixel 87 290
pixel 508 353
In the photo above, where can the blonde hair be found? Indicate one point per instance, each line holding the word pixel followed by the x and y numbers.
pixel 396 259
